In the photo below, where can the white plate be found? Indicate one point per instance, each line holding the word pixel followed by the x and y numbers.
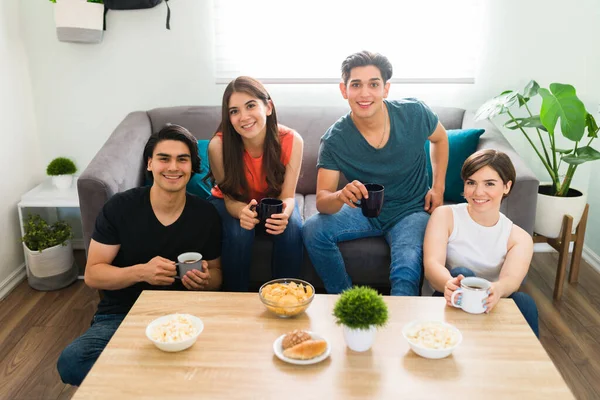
pixel 279 351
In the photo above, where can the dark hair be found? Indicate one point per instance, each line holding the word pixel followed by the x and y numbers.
pixel 364 58
pixel 494 159
pixel 234 182
pixel 173 132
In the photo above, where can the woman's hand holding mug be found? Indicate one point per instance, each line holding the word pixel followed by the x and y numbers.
pixel 249 216
pixel 276 224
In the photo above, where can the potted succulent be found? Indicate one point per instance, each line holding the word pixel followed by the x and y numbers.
pixel 80 21
pixel 49 253
pixel 360 311
pixel 577 125
pixel 61 170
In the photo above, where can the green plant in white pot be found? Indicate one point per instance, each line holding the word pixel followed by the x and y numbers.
pixel 61 170
pixel 360 311
pixel 541 129
pixel 49 253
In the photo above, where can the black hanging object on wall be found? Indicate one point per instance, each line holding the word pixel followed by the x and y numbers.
pixel 134 5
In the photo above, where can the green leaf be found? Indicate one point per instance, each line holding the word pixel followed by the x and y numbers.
pixel 561 102
pixel 584 154
pixel 563 151
pixel 529 122
pixel 531 89
pixel 592 126
pixel 496 106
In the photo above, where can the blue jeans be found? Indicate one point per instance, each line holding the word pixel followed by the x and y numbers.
pixel 524 302
pixel 236 254
pixel 322 233
pixel 77 359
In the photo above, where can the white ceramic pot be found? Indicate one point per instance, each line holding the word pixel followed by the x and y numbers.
pixel 551 210
pixel 79 21
pixel 359 339
pixel 51 261
pixel 62 181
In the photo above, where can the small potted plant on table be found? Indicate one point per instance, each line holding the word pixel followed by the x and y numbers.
pixel 360 311
pixel 61 170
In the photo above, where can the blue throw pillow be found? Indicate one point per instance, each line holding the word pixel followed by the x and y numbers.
pixel 196 185
pixel 462 143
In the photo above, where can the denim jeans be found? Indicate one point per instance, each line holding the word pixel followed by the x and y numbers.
pixel 236 254
pixel 524 302
pixel 322 233
pixel 77 359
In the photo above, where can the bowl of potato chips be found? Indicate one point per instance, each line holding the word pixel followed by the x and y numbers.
pixel 286 297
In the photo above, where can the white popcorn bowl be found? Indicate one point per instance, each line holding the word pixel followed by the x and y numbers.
pixel 172 347
pixel 427 352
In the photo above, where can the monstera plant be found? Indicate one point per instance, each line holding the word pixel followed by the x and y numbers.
pixel 559 103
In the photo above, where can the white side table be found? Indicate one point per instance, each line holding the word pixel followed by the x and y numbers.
pixel 45 195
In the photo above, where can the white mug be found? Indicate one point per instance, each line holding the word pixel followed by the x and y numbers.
pixel 188 262
pixel 474 291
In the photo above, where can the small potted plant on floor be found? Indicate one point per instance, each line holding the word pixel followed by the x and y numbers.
pixel 61 170
pixel 360 311
pixel 50 262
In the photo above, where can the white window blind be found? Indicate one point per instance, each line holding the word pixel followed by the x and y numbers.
pixel 280 41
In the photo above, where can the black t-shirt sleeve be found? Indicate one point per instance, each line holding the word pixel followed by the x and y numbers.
pixel 106 230
pixel 212 247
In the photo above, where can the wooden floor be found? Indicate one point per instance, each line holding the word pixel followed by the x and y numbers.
pixel 36 326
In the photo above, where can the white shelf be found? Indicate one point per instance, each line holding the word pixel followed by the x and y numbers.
pixel 46 195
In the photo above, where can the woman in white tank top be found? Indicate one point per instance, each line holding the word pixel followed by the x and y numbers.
pixel 476 239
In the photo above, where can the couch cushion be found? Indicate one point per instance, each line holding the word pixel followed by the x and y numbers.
pixel 462 143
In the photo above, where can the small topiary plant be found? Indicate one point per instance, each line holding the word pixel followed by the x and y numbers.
pixel 61 166
pixel 39 235
pixel 360 307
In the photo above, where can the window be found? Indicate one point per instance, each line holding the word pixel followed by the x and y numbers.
pixel 280 41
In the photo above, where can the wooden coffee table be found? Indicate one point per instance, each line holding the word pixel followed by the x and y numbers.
pixel 499 357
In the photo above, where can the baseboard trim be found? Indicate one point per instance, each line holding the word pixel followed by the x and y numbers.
pixel 591 258
pixel 7 285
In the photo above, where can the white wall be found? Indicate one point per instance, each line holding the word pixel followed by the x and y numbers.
pixel 81 92
pixel 20 160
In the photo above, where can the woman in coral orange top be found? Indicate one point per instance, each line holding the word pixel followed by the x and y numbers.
pixel 251 158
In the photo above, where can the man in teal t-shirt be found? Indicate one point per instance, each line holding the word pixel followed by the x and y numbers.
pixel 382 142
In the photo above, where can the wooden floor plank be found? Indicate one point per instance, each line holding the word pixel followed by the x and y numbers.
pixel 16 367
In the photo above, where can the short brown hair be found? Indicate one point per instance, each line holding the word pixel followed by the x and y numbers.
pixel 364 58
pixel 496 160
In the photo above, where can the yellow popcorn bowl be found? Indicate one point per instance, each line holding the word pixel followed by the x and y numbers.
pixel 174 342
pixel 285 297
pixel 434 349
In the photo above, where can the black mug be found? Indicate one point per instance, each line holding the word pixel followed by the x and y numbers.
pixel 267 207
pixel 371 207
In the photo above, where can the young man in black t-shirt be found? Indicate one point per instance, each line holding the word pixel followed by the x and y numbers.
pixel 137 238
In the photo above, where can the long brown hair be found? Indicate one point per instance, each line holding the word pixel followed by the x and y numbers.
pixel 234 182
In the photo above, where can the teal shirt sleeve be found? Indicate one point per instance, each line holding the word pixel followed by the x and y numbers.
pixel 431 119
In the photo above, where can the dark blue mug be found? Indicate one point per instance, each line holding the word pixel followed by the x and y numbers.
pixel 267 207
pixel 371 207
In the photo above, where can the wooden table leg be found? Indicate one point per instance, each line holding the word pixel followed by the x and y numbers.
pixel 578 248
pixel 563 255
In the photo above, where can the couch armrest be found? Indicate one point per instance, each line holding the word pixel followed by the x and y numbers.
pixel 118 166
pixel 521 204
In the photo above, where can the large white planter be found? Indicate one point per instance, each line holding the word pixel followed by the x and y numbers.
pixel 359 339
pixel 79 21
pixel 51 261
pixel 62 181
pixel 551 210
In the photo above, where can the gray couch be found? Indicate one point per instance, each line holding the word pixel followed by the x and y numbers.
pixel 118 166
